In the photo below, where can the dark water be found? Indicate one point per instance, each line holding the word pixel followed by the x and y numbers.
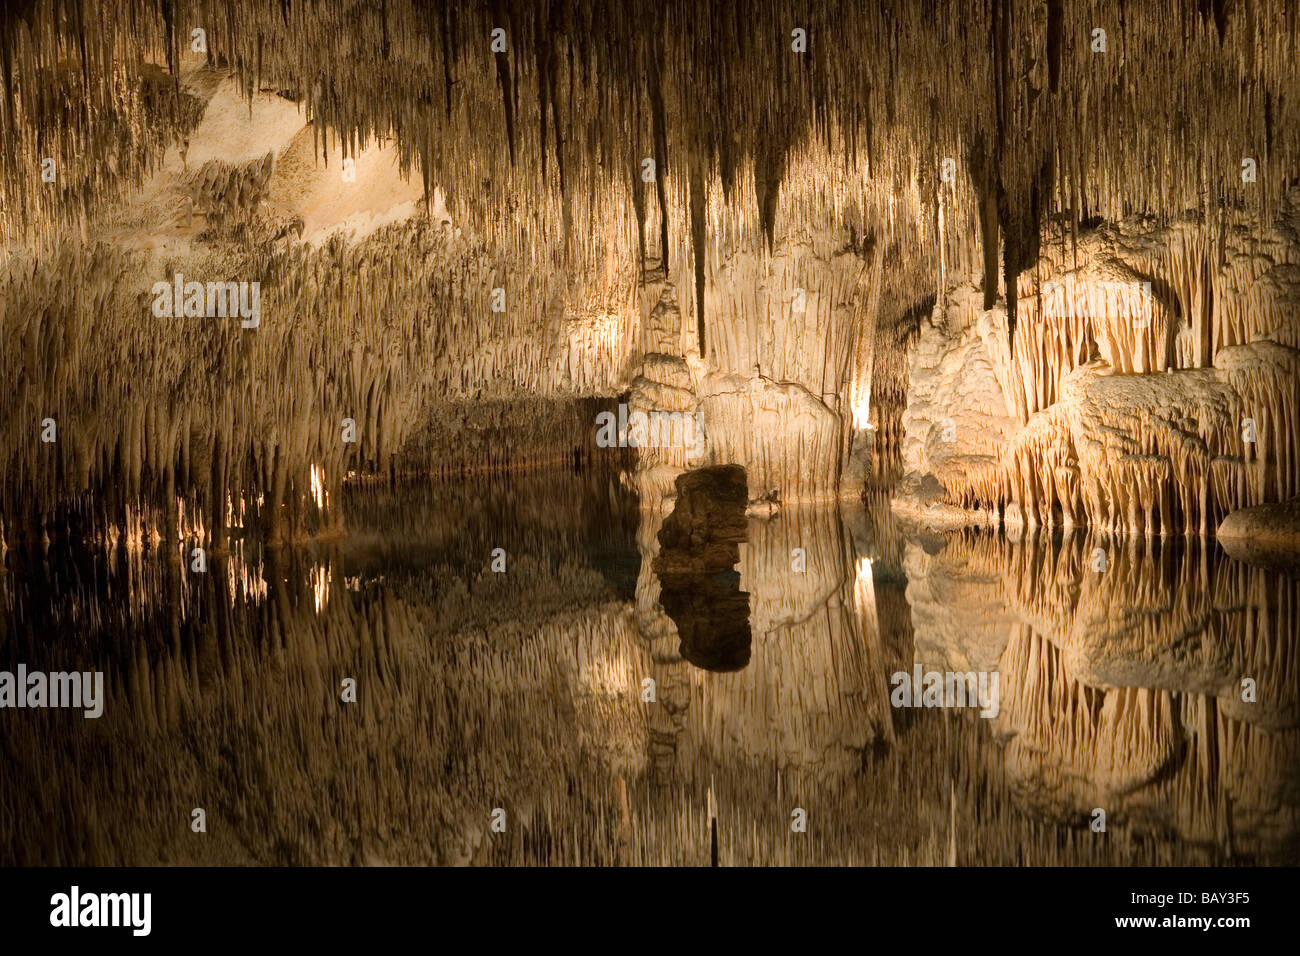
pixel 521 696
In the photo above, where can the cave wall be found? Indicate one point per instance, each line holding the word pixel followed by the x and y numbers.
pixel 1153 389
pixel 384 172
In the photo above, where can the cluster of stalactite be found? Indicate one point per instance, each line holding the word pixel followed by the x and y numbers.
pixel 1161 454
pixel 1146 299
pixel 361 349
pixel 1024 95
pixel 1156 385
pixel 85 118
pixel 506 435
pixel 897 327
pixel 741 152
pixel 1038 121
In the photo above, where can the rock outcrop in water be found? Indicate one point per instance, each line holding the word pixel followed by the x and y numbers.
pixel 1264 534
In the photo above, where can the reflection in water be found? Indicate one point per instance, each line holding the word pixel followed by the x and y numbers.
pixel 698 551
pixel 1120 690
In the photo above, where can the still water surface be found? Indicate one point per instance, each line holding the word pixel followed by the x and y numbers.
pixel 528 691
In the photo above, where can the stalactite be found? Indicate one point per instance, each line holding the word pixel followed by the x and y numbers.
pixel 508 93
pixel 764 140
pixel 659 125
pixel 699 250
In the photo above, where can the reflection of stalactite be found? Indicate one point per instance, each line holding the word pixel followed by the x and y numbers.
pixel 225 690
pixel 1115 740
pixel 480 690
pixel 813 693
pixel 1123 681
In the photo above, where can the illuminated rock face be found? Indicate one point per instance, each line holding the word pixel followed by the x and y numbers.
pixel 433 222
pixel 1137 399
pixel 957 426
pixel 1164 453
pixel 1264 534
pixel 785 366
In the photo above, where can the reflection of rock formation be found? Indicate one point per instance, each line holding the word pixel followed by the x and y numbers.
pixel 813 695
pixel 698 551
pixel 1122 664
pixel 1093 745
pixel 961 619
pixel 523 690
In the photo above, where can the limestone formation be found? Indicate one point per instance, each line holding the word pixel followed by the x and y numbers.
pixel 834 339
pixel 1266 534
